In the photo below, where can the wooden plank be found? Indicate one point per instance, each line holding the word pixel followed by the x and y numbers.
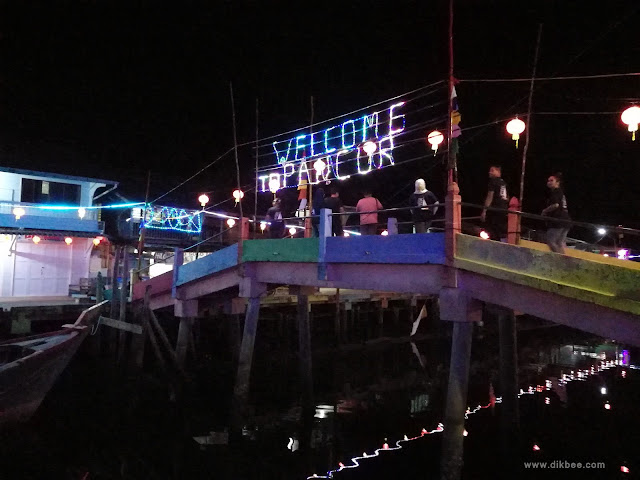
pixel 281 250
pixel 128 327
pixel 393 249
pixel 213 263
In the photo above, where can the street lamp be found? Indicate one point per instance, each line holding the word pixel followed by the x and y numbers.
pixel 369 147
pixel 274 186
pixel 18 212
pixel 435 138
pixel 203 199
pixel 631 117
pixel 238 195
pixel 515 127
pixel 231 222
pixel 319 166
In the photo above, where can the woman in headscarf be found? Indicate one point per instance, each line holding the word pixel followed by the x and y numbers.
pixel 424 209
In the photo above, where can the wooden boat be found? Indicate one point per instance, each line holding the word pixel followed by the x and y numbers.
pixel 30 366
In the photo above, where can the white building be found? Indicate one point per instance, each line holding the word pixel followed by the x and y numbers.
pixel 47 231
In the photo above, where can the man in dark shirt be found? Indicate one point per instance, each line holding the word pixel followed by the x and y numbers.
pixel 274 216
pixel 496 222
pixel 556 209
pixel 334 204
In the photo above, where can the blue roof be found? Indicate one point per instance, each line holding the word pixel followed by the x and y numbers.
pixel 33 173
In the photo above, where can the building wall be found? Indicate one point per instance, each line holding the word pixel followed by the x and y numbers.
pixel 10 195
pixel 45 269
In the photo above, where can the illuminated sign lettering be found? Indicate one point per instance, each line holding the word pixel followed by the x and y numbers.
pixel 170 218
pixel 340 149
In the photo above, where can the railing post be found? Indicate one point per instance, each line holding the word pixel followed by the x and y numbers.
pixel 452 221
pixel 178 260
pixel 325 231
pixel 392 226
pixel 513 222
pixel 244 228
pixel 243 235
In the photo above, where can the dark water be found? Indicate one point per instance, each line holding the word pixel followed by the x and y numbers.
pixel 102 423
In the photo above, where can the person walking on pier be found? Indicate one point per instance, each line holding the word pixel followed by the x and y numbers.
pixel 334 204
pixel 557 210
pixel 423 200
pixel 274 216
pixel 368 221
pixel 317 205
pixel 496 222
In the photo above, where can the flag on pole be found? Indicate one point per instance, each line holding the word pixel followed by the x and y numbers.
pixel 455 127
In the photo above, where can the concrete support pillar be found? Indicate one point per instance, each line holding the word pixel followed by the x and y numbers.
pixel 453 438
pixel 234 336
pixel 186 311
pixel 241 388
pixel 114 282
pixel 336 321
pixel 304 345
pixel 138 343
pixel 396 316
pixel 348 310
pixel 252 290
pixel 508 367
pixel 456 307
pixel 124 297
pixel 182 345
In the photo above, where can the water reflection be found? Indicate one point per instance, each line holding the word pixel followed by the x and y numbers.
pixel 364 392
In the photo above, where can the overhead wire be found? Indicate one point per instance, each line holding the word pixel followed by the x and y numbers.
pixel 576 77
pixel 252 142
pixel 270 137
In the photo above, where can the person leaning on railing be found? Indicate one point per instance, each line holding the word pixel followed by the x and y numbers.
pixel 556 209
pixel 368 221
pixel 422 214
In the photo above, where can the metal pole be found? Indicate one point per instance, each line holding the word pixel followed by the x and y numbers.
pixel 235 143
pixel 255 196
pixel 451 162
pixel 526 145
pixel 308 229
pixel 452 440
pixel 143 229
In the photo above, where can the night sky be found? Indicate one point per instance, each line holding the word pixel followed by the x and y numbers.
pixel 112 90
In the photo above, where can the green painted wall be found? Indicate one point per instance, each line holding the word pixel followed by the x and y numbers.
pixel 280 250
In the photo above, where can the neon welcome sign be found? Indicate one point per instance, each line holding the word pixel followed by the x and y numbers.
pixel 170 218
pixel 341 149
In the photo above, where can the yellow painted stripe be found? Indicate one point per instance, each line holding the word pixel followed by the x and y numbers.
pixel 593 257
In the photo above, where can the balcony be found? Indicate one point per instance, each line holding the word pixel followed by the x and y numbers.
pixel 37 218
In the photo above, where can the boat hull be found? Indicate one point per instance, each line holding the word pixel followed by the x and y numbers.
pixel 39 360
